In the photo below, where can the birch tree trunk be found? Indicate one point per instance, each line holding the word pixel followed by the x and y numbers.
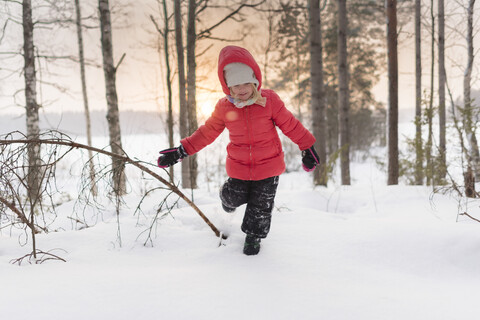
pixel 83 80
pixel 418 94
pixel 113 117
pixel 391 10
pixel 317 88
pixel 34 175
pixel 343 93
pixel 191 89
pixel 442 148
pixel 183 114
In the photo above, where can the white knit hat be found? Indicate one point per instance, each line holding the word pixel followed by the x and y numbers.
pixel 239 73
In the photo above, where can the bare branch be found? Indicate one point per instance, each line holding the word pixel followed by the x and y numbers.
pixel 207 31
pixel 120 61
pixel 19 213
pixel 125 159
pixel 156 25
pixel 3 30
pixel 466 214
pixel 13 1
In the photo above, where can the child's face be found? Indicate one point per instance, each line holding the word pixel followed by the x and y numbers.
pixel 242 91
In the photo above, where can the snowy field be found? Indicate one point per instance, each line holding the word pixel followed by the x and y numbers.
pixel 366 251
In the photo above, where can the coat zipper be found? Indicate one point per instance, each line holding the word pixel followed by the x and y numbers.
pixel 249 141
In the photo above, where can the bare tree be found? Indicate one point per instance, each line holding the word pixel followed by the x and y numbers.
pixel 343 92
pixel 113 118
pixel 418 94
pixel 469 110
pixel 14 178
pixel 191 89
pixel 317 90
pixel 429 112
pixel 391 14
pixel 182 98
pixel 83 80
pixel 441 92
pixel 34 179
pixel 164 33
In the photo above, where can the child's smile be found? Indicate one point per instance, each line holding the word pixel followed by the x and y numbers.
pixel 242 91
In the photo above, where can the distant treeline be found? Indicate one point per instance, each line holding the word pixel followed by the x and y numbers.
pixel 73 123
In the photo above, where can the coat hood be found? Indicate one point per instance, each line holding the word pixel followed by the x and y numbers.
pixel 231 54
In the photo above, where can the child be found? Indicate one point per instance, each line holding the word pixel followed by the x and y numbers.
pixel 254 155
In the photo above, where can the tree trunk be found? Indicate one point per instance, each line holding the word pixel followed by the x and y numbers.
pixel 168 82
pixel 83 80
pixel 469 180
pixel 113 118
pixel 418 94
pixel 469 110
pixel 429 111
pixel 183 115
pixel 316 83
pixel 391 9
pixel 191 89
pixel 34 175
pixel 297 80
pixel 343 93
pixel 441 171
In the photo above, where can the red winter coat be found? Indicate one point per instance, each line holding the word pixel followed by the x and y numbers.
pixel 255 151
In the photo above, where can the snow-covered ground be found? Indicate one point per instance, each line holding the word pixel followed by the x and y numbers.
pixel 366 251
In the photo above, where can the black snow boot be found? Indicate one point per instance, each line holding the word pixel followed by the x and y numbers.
pixel 252 245
pixel 227 209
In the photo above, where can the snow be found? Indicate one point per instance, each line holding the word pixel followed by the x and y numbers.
pixel 365 251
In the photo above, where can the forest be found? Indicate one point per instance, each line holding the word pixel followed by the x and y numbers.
pixel 76 74
pixel 345 49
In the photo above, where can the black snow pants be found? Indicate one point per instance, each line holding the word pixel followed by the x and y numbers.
pixel 259 196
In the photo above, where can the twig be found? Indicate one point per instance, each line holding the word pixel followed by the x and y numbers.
pixel 120 61
pixel 466 214
pixel 79 221
pixel 45 256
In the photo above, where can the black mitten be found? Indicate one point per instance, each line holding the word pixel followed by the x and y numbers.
pixel 171 156
pixel 309 159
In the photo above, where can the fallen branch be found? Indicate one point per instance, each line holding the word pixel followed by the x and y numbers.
pixel 466 214
pixel 79 221
pixel 19 214
pixel 31 257
pixel 125 159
